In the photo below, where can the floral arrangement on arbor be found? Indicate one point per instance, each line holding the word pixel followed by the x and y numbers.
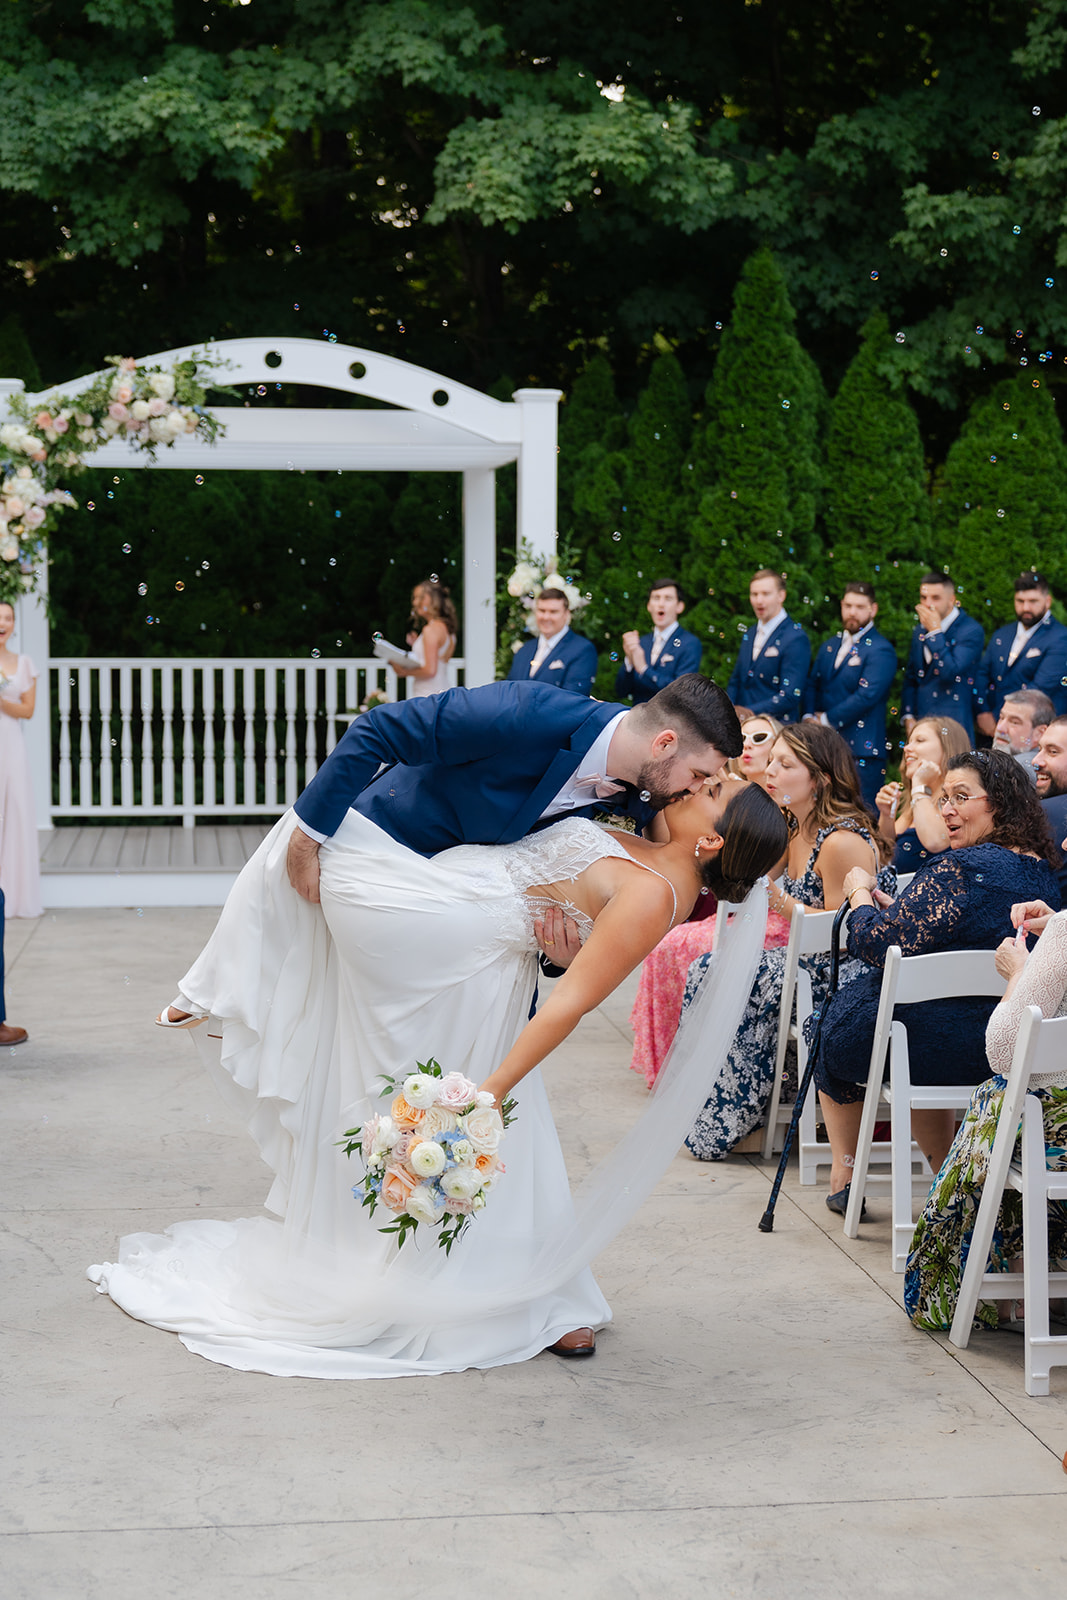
pixel 531 575
pixel 47 442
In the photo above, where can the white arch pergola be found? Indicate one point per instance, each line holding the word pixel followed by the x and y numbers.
pixel 436 426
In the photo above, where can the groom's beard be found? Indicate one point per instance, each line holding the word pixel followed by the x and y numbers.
pixel 649 783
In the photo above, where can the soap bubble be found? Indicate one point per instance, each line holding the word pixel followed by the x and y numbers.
pixel 874 277
pixel 376 637
pixel 315 654
pixel 205 565
pixel 142 588
pixel 645 795
pixel 434 578
pixel 900 338
pixel 616 537
pixel 1016 229
pixel 1000 513
pixel 1035 111
pixel 333 561
pixel 785 405
pixel 1050 283
pixel 126 549
pixel 90 505
pixel 198 479
pixel 179 586
pixel 944 252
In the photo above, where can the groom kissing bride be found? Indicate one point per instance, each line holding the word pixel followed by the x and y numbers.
pixel 443 840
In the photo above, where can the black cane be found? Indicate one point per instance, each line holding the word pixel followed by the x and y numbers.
pixel 766 1222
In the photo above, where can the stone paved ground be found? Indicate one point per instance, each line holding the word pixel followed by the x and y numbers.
pixel 760 1421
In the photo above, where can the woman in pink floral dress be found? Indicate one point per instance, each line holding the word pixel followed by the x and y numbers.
pixel 19 870
pixel 658 1003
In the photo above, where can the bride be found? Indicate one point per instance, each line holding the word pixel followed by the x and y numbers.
pixel 407 958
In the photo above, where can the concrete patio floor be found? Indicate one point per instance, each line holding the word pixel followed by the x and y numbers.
pixel 760 1420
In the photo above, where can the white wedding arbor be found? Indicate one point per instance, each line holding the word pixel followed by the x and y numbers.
pixel 424 423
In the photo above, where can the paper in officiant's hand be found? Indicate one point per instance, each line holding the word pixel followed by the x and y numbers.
pixel 393 654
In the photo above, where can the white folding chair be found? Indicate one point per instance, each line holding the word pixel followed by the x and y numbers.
pixel 810 933
pixel 903 879
pixel 723 912
pixel 1040 1047
pixel 952 974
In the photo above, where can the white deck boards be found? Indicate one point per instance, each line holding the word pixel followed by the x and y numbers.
pixel 125 866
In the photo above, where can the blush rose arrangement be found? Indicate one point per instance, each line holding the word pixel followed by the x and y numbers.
pixel 47 438
pixel 434 1157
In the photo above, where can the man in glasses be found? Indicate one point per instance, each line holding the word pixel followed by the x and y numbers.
pixel 943 658
pixel 1030 653
pixel 850 682
pixel 772 664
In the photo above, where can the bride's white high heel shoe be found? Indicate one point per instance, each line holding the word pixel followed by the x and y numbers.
pixel 191 1021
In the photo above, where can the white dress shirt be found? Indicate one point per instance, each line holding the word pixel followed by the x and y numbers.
pixel 573 796
pixel 659 639
pixel 764 631
pixel 847 641
pixel 1022 637
pixel 545 648
pixel 942 627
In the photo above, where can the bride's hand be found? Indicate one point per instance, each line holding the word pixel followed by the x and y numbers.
pixel 557 937
pixel 302 865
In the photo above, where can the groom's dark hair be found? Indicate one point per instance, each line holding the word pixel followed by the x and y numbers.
pixel 699 712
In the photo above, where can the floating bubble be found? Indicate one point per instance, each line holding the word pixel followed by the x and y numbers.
pixel 376 637
pixel 434 578
pixel 205 565
pixel 1000 513
pixel 979 329
pixel 718 325
pixel 338 643
pixel 785 405
pixel 333 561
pixel 1007 405
pixel 733 496
pixel 315 654
pixel 645 795
pixel 1050 283
pixel 1035 111
pixel 996 155
pixel 616 537
pixel 874 277
pixel 142 588
pixel 90 505
pixel 966 349
pixel 944 252
pixel 900 338
pixel 296 305
pixel 179 586
pixel 126 549
pixel 199 478
pixel 262 389
pixel 1016 229
pixel 1036 383
pixel 992 458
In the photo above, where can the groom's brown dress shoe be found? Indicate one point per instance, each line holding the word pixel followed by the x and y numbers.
pixel 12 1035
pixel 582 1342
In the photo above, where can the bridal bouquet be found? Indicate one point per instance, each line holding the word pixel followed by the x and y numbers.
pixel 435 1156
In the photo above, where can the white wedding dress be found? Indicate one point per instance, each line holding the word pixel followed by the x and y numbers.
pixel 405 959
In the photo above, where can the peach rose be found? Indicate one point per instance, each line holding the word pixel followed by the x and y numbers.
pixel 124 393
pixel 396 1186
pixel 403 1115
pixel 485 1163
pixel 42 420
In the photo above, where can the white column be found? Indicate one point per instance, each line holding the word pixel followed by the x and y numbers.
pixel 33 640
pixel 479 575
pixel 537 468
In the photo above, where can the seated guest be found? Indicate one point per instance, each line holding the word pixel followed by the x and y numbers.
pixel 1024 716
pixel 943 1233
pixel 849 685
pixel 658 1003
pixel 812 775
pixel 943 657
pixel 1050 776
pixel 908 813
pixel 9 1034
pixel 999 854
pixel 772 664
pixel 557 656
pixel 653 660
pixel 1029 653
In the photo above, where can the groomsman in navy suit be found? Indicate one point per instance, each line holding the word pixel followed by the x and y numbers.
pixel 1030 653
pixel 940 679
pixel 9 1034
pixel 655 659
pixel 771 669
pixel 557 656
pixel 849 686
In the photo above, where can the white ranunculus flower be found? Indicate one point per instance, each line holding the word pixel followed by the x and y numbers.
pixel 158 429
pixel 140 410
pixel 420 1090
pixel 420 1205
pixel 162 384
pixel 427 1158
pixel 461 1183
pixel 175 422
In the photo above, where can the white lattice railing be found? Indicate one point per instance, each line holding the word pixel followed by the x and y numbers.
pixel 181 738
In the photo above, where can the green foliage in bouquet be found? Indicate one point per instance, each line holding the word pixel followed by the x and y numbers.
pixel 1001 506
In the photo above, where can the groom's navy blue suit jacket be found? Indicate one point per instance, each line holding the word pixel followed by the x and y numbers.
pixel 469 766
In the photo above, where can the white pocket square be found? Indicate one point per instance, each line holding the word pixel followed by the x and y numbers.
pixel 553 666
pixel 1030 653
pixel 771 650
pixel 665 659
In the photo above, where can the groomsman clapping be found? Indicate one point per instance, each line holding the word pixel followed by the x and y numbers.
pixel 653 660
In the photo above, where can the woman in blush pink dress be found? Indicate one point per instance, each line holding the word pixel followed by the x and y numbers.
pixel 658 1003
pixel 19 870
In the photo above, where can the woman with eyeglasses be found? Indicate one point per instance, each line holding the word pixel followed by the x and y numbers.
pixel 908 813
pixel 812 775
pixel 657 1005
pixel 999 854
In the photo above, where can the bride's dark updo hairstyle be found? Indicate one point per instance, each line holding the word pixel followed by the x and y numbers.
pixel 755 838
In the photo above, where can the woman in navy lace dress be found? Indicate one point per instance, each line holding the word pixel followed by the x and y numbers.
pixel 999 853
pixel 813 777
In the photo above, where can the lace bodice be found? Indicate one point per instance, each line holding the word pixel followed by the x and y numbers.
pixel 1043 984
pixel 559 853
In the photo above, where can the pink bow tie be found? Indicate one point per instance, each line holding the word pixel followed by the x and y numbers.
pixel 602 787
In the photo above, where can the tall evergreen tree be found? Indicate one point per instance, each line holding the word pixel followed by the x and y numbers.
pixel 1001 506
pixel 877 508
pixel 759 455
pixel 16 356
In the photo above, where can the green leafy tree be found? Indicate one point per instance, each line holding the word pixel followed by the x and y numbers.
pixel 16 356
pixel 877 515
pixel 1001 506
pixel 759 452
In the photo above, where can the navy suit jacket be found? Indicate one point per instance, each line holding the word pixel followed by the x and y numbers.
pixel 1041 664
pixel 469 766
pixel 571 664
pixel 775 681
pixel 681 653
pixel 947 685
pixel 854 697
pixel 1055 808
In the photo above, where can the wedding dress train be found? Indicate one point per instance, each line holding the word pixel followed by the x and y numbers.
pixel 404 959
